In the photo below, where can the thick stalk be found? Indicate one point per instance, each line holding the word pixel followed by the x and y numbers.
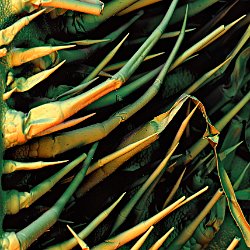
pixel 130 110
pixel 118 65
pixel 64 109
pixel 80 6
pixel 72 105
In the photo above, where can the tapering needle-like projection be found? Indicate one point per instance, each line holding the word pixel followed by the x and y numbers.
pixel 73 81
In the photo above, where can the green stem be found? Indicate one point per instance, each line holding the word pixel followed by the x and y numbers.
pixel 30 233
pixel 18 200
pixel 130 110
pixel 71 139
pixel 141 53
pixel 69 244
pixel 104 62
pixel 123 215
pixel 142 203
pixel 123 92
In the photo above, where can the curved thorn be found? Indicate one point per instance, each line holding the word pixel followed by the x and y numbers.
pixel 105 61
pixel 34 80
pixel 7 35
pixel 20 56
pixel 8 94
pixel 82 244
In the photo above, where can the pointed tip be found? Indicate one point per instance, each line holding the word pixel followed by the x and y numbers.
pixel 119 199
pixel 61 63
pixel 118 45
pixel 193 196
pixel 8 94
pixel 36 14
pixel 37 78
pixel 160 53
pixel 154 55
pixel 45 164
pixel 144 139
pixel 190 30
pixel 223 155
pixel 103 161
pixel 55 48
pixel 56 67
pixel 142 239
pixel 3 52
pixel 222 64
pixel 89 42
pixel 52 70
pixel 82 244
pixel 230 25
pixel 8 34
pixel 19 56
pixel 115 203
